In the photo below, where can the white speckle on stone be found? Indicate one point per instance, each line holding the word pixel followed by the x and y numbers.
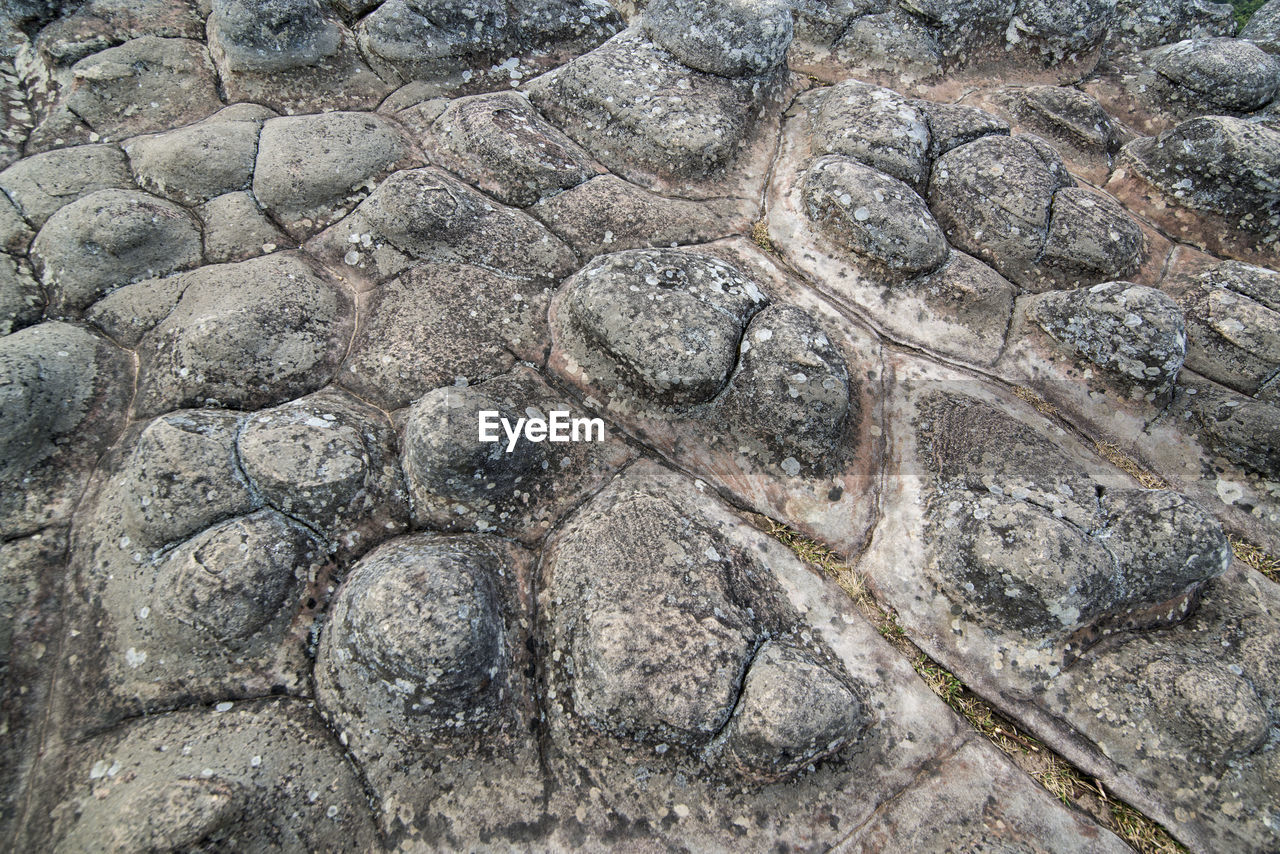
pixel 134 658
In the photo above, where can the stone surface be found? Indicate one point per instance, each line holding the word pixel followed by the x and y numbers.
pixel 108 239
pixel 42 184
pixel 245 335
pixel 443 324
pixel 979 295
pixel 726 37
pixel 196 163
pixel 309 169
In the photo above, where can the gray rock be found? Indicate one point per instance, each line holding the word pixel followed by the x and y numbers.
pixel 875 126
pixel 790 397
pixel 1129 330
pixel 100 24
pixel 42 184
pixel 237 769
pixel 639 111
pixel 328 461
pixel 872 216
pixel 663 326
pixel 15 234
pixel 125 315
pixel 1233 325
pixel 500 144
pixel 193 164
pixel 1263 27
pixel 428 215
pixel 607 214
pixel 1068 117
pixel 419 641
pixel 792 712
pixel 1058 30
pixel 182 477
pixel 458 483
pixel 953 125
pixel 962 309
pixel 1140 559
pixel 55 381
pixel 237 229
pixel 1091 239
pixel 21 300
pixel 443 324
pixel 1224 74
pixel 727 37
pixel 235 586
pixel 994 196
pixel 893 43
pixel 1143 24
pixel 405 44
pixel 176 74
pixel 107 239
pixel 309 168
pixel 1241 429
pixel 962 25
pixel 290 55
pixel 244 335
pixel 1219 164
pixel 272 35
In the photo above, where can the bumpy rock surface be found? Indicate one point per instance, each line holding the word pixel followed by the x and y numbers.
pixel 413 414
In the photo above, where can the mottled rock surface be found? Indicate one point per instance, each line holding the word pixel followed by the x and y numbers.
pixel 414 414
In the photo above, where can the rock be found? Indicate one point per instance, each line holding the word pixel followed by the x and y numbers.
pixel 1225 74
pixel 443 324
pixel 309 168
pixel 42 184
pixel 271 35
pixel 328 461
pixel 1083 132
pixel 961 309
pixel 607 214
pixel 1263 28
pixel 428 215
pixel 244 335
pixel 125 315
pixel 1091 238
pixel 182 477
pixel 656 643
pixel 458 483
pixel 894 43
pixel 238 767
pixel 176 74
pixel 1137 559
pixel 100 24
pixel 1058 31
pixel 196 163
pixel 962 26
pixel 107 239
pixel 658 327
pixel 1230 425
pixel 790 395
pixel 419 641
pixel 875 126
pixel 953 125
pixel 451 47
pixel 15 234
pixel 236 229
pixel 500 144
pixel 994 197
pixel 21 300
pixel 944 813
pixel 640 112
pixel 55 380
pixel 291 56
pixel 872 216
pixel 1220 164
pixel 1129 330
pixel 1233 324
pixel 1143 24
pixel 238 584
pixel 727 37
pixel 792 712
